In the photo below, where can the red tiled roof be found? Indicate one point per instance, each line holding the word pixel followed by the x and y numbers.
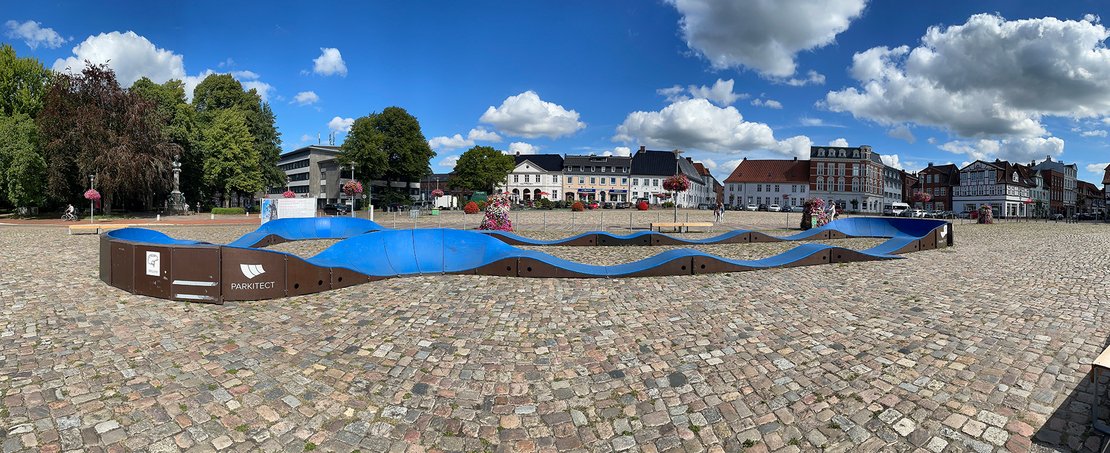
pixel 701 169
pixel 751 170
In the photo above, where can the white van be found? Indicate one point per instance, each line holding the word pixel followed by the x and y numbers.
pixel 898 208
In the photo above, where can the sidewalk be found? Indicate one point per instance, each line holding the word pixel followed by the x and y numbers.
pixel 200 219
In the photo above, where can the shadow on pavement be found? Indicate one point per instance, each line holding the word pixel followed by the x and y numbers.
pixel 1070 426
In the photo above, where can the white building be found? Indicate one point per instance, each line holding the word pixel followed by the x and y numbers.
pixel 536 176
pixel 651 168
pixel 1002 185
pixel 767 182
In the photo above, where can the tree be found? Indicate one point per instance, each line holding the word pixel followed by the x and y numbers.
pixel 363 149
pixel 482 168
pixel 91 126
pixel 26 185
pixel 179 125
pixel 407 152
pixel 230 161
pixel 219 92
pixel 22 83
pixel 17 146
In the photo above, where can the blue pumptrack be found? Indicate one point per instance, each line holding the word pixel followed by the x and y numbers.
pixel 367 251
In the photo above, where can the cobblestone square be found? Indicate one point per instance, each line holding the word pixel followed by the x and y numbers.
pixel 981 347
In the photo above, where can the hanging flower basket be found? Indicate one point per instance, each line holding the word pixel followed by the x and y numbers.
pixel 437 193
pixel 92 194
pixel 352 188
pixel 677 183
pixel 923 197
pixel 288 194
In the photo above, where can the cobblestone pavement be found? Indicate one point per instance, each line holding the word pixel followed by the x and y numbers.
pixel 978 348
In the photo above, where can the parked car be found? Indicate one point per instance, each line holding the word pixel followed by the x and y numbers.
pixel 623 205
pixel 608 205
pixel 774 207
pixel 918 213
pixel 738 207
pixel 751 207
pixel 336 209
pixel 791 209
pixel 888 212
pixel 1057 216
pixel 763 207
pixel 593 205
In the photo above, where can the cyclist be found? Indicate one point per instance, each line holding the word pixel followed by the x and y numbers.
pixel 69 214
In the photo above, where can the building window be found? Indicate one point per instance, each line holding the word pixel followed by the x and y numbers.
pixel 655 182
pixel 516 178
pixel 758 188
pixel 593 180
pixel 612 180
pixel 776 187
pixel 635 181
pixel 624 181
pixel 527 177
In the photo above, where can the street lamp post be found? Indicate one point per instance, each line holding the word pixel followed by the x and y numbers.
pixel 677 152
pixel 92 203
pixel 352 196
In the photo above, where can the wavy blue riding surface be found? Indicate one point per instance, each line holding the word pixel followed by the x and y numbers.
pixel 372 250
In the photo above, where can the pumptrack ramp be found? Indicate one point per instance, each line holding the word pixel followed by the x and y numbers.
pixel 151 263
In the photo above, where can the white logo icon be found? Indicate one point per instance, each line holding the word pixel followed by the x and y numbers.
pixel 943 233
pixel 153 264
pixel 252 270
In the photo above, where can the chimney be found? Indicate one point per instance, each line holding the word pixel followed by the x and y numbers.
pixel 643 148
pixel 930 164
pixel 795 158
pixel 518 153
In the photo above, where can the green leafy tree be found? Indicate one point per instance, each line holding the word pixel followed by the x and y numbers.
pixel 26 178
pixel 23 83
pixel 219 92
pixel 230 161
pixel 179 125
pixel 408 155
pixel 17 140
pixel 482 168
pixel 363 149
pixel 89 125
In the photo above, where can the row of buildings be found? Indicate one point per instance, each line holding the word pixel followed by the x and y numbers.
pixel 609 178
pixel 314 172
pixel 856 179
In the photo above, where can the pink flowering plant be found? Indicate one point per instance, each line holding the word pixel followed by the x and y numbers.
pixel 352 188
pixel 288 194
pixel 677 183
pixel 437 193
pixel 497 214
pixel 923 197
pixel 92 194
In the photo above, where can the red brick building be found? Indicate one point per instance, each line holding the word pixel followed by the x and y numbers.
pixel 937 181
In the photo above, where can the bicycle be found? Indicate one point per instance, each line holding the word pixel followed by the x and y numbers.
pixel 69 217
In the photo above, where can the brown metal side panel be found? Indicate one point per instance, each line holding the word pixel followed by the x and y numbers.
pixel 677 266
pixel 662 239
pixel 908 248
pixel 843 255
pixel 583 241
pixel 763 237
pixel 152 270
pixel 508 240
pixel 707 265
pixel 821 257
pixel 833 234
pixel 743 238
pixel 105 259
pixel 504 268
pixel 247 274
pixel 606 240
pixel 123 266
pixel 195 274
pixel 269 240
pixel 305 278
pixel 342 278
pixel 929 242
pixel 530 267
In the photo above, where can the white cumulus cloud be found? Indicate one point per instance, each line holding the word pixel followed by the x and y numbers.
pixel 698 124
pixel 1094 133
pixel 841 142
pixel 769 103
pixel 1097 168
pixel 720 93
pixel 306 98
pixel 1021 149
pixel 987 78
pixel 892 160
pixel 330 62
pixel 449 161
pixel 902 132
pixel 339 124
pixel 760 34
pixel 458 141
pixel 131 57
pixel 619 151
pixel 526 115
pixel 523 148
pixel 34 34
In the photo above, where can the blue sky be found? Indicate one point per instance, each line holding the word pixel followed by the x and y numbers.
pixel 724 80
